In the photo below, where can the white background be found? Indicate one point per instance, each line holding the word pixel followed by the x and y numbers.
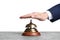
pixel 11 10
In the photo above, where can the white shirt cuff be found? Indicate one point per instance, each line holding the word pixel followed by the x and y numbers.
pixel 49 14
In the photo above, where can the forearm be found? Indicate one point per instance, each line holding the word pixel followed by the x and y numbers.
pixel 54 13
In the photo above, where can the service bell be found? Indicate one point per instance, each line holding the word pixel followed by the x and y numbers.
pixel 31 30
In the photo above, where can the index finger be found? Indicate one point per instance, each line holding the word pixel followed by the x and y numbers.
pixel 26 16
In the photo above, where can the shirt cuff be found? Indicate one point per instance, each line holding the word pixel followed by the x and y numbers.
pixel 49 14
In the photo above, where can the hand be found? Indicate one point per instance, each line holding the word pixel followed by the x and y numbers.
pixel 36 15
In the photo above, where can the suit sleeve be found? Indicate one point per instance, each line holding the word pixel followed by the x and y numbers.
pixel 55 11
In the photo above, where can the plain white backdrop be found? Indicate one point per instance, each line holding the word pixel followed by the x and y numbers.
pixel 11 10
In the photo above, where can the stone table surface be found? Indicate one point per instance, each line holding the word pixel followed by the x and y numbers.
pixel 18 36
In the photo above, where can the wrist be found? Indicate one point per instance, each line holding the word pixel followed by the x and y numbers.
pixel 49 15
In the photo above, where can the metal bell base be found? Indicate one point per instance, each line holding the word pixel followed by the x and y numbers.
pixel 31 34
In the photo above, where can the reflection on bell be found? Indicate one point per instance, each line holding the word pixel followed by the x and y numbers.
pixel 31 30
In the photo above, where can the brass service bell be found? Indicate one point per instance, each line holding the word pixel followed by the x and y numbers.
pixel 31 30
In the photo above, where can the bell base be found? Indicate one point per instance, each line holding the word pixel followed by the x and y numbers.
pixel 31 34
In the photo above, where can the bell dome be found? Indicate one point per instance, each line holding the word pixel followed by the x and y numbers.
pixel 31 25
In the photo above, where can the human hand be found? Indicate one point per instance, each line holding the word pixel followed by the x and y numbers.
pixel 36 15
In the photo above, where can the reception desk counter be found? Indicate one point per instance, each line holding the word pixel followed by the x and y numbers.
pixel 18 36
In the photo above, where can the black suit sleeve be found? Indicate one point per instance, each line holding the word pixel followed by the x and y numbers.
pixel 55 11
